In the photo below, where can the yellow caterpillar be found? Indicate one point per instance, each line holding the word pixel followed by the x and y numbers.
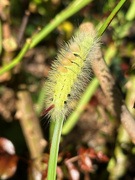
pixel 70 72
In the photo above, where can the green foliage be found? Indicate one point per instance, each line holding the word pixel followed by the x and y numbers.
pixel 27 65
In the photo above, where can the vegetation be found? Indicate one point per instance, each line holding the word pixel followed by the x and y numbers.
pixel 97 138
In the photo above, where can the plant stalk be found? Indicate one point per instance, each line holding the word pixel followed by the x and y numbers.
pixel 54 149
pixel 110 18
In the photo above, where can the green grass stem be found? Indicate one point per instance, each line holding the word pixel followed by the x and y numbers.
pixel 74 7
pixel 54 149
pixel 17 59
pixel 110 18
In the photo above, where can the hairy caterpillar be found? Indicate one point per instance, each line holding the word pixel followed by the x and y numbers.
pixel 70 72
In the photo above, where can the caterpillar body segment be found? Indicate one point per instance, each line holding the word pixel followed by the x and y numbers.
pixel 70 72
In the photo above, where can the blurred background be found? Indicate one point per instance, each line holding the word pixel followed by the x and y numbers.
pixel 22 93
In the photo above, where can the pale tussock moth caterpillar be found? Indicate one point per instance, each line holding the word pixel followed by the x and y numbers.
pixel 70 71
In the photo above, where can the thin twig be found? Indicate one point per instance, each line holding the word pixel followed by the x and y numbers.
pixel 0 37
pixel 31 128
pixel 118 164
pixel 112 92
pixel 23 26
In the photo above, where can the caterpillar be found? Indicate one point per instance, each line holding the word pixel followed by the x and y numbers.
pixel 70 72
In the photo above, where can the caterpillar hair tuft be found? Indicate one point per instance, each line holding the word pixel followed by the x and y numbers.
pixel 70 71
